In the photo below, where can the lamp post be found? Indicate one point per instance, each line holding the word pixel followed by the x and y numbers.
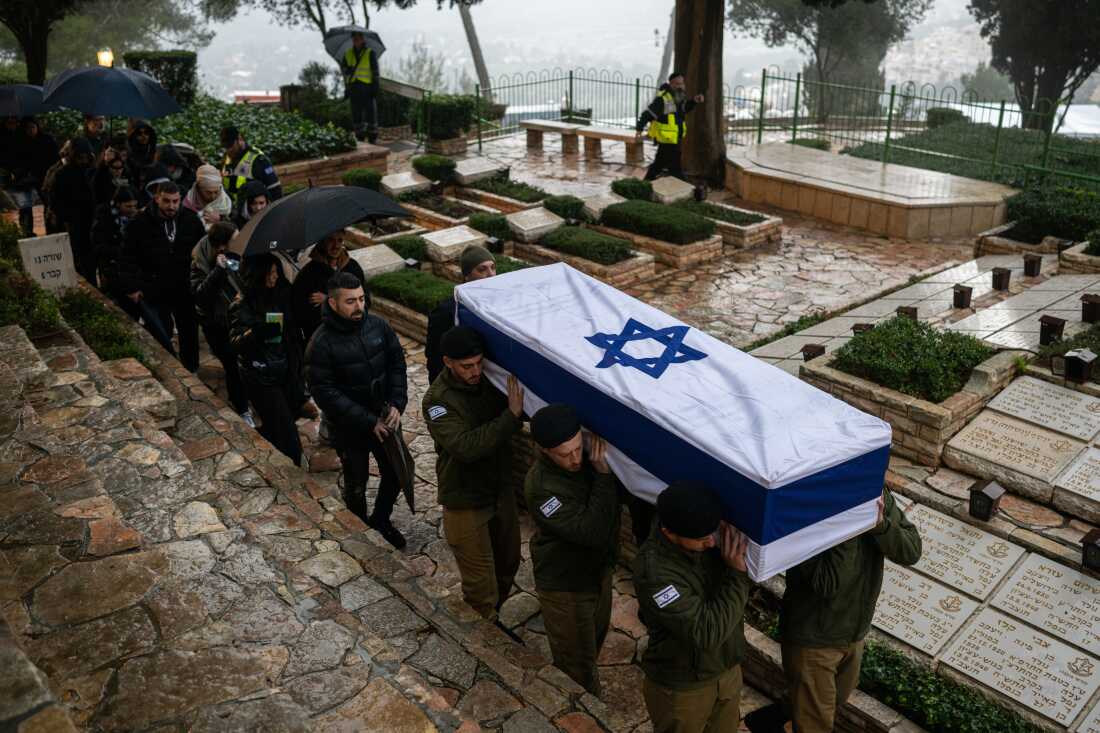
pixel 106 57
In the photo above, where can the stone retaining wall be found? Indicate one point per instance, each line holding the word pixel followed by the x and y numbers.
pixel 328 171
pixel 503 204
pixel 403 320
pixel 1074 259
pixel 434 220
pixel 679 256
pixel 744 236
pixel 621 274
pixel 991 242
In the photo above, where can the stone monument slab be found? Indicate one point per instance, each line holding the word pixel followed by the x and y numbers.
pixel 1091 723
pixel 964 557
pixel 48 261
pixel 919 611
pixel 1055 598
pixel 669 190
pixel 1077 489
pixel 1028 666
pixel 531 225
pixel 395 184
pixel 594 205
pixel 1050 406
pixel 470 170
pixel 377 259
pixel 445 245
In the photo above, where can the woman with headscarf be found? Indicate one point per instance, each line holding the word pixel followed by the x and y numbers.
pixel 142 142
pixel 208 198
pixel 111 173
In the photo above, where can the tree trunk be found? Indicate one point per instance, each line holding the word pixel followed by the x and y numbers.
pixel 666 57
pixel 475 51
pixel 35 52
pixel 699 27
pixel 1052 81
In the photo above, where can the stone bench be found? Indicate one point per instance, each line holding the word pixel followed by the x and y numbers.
pixel 535 129
pixel 594 137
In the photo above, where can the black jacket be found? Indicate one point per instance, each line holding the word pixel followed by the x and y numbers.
pixel 261 360
pixel 313 278
pixel 71 197
pixel 103 182
pixel 32 157
pixel 263 170
pixel 152 263
pixel 440 321
pixel 248 191
pixel 213 288
pixel 107 238
pixel 142 156
pixel 354 368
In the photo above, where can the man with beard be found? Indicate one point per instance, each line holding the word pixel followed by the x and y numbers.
pixel 666 116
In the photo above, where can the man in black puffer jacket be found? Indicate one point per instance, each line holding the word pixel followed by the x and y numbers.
pixel 356 371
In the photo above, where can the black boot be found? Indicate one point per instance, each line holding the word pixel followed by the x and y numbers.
pixel 355 498
pixel 389 532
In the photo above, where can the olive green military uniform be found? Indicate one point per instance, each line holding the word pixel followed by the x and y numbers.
pixel 472 428
pixel 693 605
pixel 574 550
pixel 826 613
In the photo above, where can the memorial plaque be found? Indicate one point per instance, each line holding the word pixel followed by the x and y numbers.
pixel 471 170
pixel 669 190
pixel 49 261
pixel 1055 598
pixel 531 225
pixel 445 245
pixel 1030 667
pixel 964 557
pixel 1083 476
pixel 918 610
pixel 377 260
pixel 1014 444
pixel 1091 723
pixel 1048 405
pixel 396 184
pixel 594 205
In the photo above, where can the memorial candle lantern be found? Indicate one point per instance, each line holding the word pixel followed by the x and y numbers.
pixel 1076 365
pixel 985 497
pixel 1001 276
pixel 1090 550
pixel 1051 329
pixel 1033 264
pixel 1090 307
pixel 812 351
pixel 907 311
pixel 858 328
pixel 963 293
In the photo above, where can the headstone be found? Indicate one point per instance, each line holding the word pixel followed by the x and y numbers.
pixel 445 245
pixel 531 225
pixel 1055 598
pixel 920 611
pixel 469 170
pixel 1063 410
pixel 993 440
pixel 395 184
pixel 1077 490
pixel 594 205
pixel 377 259
pixel 1028 666
pixel 1091 723
pixel 669 190
pixel 964 557
pixel 48 261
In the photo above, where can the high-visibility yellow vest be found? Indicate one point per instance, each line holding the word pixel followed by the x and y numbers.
pixel 234 178
pixel 667 132
pixel 359 71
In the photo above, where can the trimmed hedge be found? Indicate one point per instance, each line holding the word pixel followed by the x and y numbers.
pixel 24 303
pixel 434 167
pixel 567 207
pixel 447 115
pixel 1094 243
pixel 410 247
pixel 102 330
pixel 438 204
pixel 504 186
pixel 666 223
pixel 816 143
pixel 1059 211
pixel 177 71
pixel 414 289
pixel 491 225
pixel 633 188
pixel 505 264
pixel 590 245
pixel 940 116
pixel 912 357
pixel 363 178
pixel 710 211
pixel 10 234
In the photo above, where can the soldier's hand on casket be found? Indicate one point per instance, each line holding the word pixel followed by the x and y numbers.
pixel 598 456
pixel 515 396
pixel 881 504
pixel 733 545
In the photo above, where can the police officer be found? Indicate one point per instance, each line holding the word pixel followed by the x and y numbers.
pixel 826 614
pixel 666 117
pixel 472 425
pixel 360 67
pixel 476 263
pixel 692 589
pixel 575 506
pixel 243 163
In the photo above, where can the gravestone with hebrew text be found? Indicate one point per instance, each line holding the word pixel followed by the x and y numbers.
pixel 48 261
pixel 919 611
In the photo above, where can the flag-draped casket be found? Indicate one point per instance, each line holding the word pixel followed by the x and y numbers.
pixel 797 470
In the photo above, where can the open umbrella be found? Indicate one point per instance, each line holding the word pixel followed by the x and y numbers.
pixel 103 90
pixel 310 215
pixel 338 41
pixel 21 100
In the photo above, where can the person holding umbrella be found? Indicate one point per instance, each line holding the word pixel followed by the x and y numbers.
pixel 360 67
pixel 243 163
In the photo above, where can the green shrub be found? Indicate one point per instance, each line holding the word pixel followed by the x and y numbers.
pixel 175 70
pixel 10 234
pixel 103 330
pixel 491 225
pixel 711 211
pixel 24 303
pixel 438 204
pixel 504 186
pixel 414 289
pixel 567 207
pixel 912 357
pixel 446 115
pixel 410 247
pixel 589 244
pixel 940 116
pixel 1087 339
pixel 362 177
pixel 509 264
pixel 667 223
pixel 13 72
pixel 1059 211
pixel 816 143
pixel 1093 247
pixel 434 167
pixel 633 188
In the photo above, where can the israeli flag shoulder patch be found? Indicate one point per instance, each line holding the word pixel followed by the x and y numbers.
pixel 665 596
pixel 550 506
pixel 436 411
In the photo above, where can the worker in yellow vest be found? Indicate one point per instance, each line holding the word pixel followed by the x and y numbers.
pixel 666 117
pixel 360 67
pixel 243 163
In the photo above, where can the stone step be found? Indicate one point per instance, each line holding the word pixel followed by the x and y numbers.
pixel 22 359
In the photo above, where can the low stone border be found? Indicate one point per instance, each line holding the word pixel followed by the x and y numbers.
pixel 1074 259
pixel 667 253
pixel 503 204
pixel 743 236
pixel 921 429
pixel 328 171
pixel 450 146
pixel 434 220
pixel 990 242
pixel 404 320
pixel 359 238
pixel 621 274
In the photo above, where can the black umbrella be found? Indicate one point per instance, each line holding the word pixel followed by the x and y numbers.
pixel 310 215
pixel 338 41
pixel 104 90
pixel 21 100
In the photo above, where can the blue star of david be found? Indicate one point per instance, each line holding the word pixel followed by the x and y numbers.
pixel 672 338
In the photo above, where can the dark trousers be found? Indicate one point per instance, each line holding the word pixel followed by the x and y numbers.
pixel 80 242
pixel 141 311
pixel 364 110
pixel 355 452
pixel 178 314
pixel 667 159
pixel 274 406
pixel 26 221
pixel 217 337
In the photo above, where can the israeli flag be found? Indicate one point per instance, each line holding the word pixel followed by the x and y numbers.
pixel 797 470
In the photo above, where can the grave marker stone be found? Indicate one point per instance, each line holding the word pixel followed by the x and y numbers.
pixel 669 190
pixel 1077 489
pixel 918 610
pixel 532 225
pixel 445 245
pixel 594 205
pixel 1050 406
pixel 377 260
pixel 1091 723
pixel 396 184
pixel 471 170
pixel 48 261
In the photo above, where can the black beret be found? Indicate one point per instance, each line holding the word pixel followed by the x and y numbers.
pixel 554 424
pixel 461 342
pixel 689 509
